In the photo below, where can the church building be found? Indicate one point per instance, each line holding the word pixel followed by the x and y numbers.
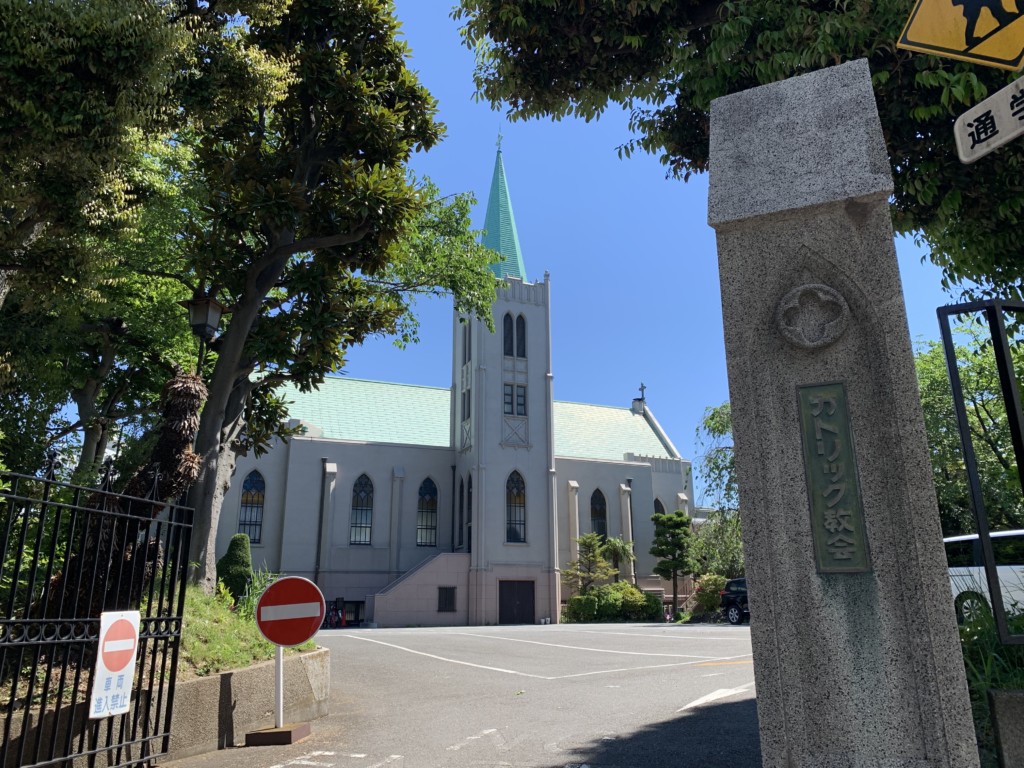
pixel 426 506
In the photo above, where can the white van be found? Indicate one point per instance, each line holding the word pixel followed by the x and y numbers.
pixel 967 573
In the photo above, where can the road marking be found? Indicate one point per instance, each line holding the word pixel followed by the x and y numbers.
pixel 625 669
pixel 594 650
pixel 714 674
pixel 293 611
pixel 672 634
pixel 451 661
pixel 304 760
pixel 724 663
pixel 721 693
pixel 387 761
pixel 702 660
pixel 497 738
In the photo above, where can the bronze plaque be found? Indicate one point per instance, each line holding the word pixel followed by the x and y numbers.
pixel 830 463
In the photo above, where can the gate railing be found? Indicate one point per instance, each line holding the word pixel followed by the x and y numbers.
pixel 68 554
pixel 994 312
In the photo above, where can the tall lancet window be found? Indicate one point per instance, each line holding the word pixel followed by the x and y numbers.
pixel 515 509
pixel 250 516
pixel 462 510
pixel 520 336
pixel 598 514
pixel 362 511
pixel 426 515
pixel 508 335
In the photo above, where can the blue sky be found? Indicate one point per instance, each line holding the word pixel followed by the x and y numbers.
pixel 634 274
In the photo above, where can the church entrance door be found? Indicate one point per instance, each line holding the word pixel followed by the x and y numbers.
pixel 515 602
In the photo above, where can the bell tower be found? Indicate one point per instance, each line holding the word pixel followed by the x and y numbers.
pixel 502 413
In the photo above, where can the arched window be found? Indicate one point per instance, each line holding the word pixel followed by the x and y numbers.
pixel 598 514
pixel 362 511
pixel 250 517
pixel 520 336
pixel 462 509
pixel 426 515
pixel 507 335
pixel 659 508
pixel 515 509
pixel 469 515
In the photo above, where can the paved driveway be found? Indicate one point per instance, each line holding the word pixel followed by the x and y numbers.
pixel 605 696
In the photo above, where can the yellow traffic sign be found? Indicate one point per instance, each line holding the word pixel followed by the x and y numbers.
pixel 989 32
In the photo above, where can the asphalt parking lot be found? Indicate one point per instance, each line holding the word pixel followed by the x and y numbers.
pixel 559 696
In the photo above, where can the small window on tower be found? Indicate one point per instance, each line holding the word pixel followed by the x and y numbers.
pixel 507 335
pixel 508 403
pixel 520 400
pixel 520 336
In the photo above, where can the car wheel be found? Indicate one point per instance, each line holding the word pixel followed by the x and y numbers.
pixel 734 614
pixel 970 606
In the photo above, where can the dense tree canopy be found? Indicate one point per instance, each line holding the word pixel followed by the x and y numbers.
pixel 258 157
pixel 665 60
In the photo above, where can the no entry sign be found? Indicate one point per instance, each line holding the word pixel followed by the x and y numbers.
pixel 115 664
pixel 290 611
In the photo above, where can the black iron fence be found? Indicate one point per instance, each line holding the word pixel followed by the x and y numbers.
pixel 68 554
pixel 995 314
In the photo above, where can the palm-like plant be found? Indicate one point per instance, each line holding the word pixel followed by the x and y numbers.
pixel 619 551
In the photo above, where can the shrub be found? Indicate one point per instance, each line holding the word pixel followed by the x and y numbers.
pixel 235 568
pixel 609 601
pixel 258 584
pixel 708 592
pixel 580 609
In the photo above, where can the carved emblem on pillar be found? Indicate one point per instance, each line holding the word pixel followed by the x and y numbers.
pixel 812 316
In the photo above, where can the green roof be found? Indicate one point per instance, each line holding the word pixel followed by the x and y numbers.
pixel 375 412
pixel 500 226
pixel 407 414
pixel 603 432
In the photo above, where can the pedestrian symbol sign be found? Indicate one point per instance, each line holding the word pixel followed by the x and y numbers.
pixel 989 32
pixel 114 674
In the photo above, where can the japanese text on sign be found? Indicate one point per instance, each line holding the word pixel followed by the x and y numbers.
pixel 989 125
pixel 837 513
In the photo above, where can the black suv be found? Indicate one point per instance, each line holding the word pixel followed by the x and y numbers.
pixel 734 601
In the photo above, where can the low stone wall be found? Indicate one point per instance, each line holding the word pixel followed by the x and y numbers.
pixel 1008 720
pixel 215 712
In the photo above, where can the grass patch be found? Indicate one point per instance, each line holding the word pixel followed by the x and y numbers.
pixel 990 665
pixel 216 638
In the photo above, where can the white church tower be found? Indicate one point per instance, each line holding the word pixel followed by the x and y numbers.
pixel 506 510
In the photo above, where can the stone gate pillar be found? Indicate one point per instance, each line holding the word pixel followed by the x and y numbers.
pixel 856 655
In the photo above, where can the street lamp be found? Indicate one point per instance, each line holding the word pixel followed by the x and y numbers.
pixel 204 313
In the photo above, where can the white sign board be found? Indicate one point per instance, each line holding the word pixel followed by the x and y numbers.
pixel 115 664
pixel 989 125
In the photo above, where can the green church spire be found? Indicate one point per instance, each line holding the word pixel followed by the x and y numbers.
pixel 500 225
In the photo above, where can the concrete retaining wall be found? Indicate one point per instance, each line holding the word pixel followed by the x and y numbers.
pixel 1008 720
pixel 215 712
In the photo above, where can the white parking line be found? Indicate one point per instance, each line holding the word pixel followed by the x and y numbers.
pixel 721 693
pixel 580 648
pixel 451 661
pixel 695 660
pixel 699 635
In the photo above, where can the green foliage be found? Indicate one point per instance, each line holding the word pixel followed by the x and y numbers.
pixel 620 601
pixel 261 579
pixel 617 551
pixel 716 458
pixel 990 665
pixel 717 546
pixel 234 569
pixel 708 593
pixel 214 638
pixel 671 544
pixel 990 434
pixel 81 83
pixel 666 61
pixel 580 609
pixel 590 567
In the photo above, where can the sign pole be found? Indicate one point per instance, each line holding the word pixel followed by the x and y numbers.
pixel 279 686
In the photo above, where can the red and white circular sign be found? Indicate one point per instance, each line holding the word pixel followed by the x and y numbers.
pixel 290 611
pixel 117 646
